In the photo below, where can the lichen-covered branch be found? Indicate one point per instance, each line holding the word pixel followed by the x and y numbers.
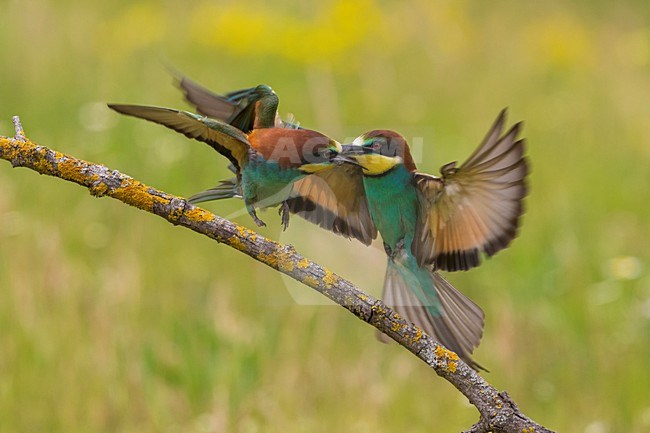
pixel 498 413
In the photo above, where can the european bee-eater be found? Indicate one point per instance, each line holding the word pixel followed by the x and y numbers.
pixel 267 161
pixel 431 223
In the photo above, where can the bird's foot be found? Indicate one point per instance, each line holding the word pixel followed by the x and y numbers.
pixel 285 214
pixel 257 221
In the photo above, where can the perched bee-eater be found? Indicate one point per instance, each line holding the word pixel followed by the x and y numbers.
pixel 431 223
pixel 266 161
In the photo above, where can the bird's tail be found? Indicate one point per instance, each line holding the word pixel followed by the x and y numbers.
pixel 226 189
pixel 434 305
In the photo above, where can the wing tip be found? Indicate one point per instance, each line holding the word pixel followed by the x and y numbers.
pixel 128 109
pixel 457 260
pixel 116 107
pixel 503 114
pixel 501 119
pixel 515 129
pixel 464 260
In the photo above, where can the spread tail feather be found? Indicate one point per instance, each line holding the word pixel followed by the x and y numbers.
pixel 447 315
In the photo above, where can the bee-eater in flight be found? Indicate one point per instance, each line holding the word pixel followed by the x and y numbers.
pixel 430 223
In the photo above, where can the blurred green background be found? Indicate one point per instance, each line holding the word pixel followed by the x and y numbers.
pixel 114 320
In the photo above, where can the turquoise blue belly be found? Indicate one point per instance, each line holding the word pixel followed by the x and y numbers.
pixel 392 200
pixel 267 184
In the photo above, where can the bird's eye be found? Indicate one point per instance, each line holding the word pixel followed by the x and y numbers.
pixel 375 144
pixel 324 153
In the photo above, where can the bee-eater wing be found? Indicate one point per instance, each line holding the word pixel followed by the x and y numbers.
pixel 450 317
pixel 473 208
pixel 237 108
pixel 228 141
pixel 335 200
pixel 206 102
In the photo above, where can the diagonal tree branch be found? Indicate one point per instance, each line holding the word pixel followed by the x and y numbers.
pixel 498 413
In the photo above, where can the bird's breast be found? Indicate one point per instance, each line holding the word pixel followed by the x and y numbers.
pixel 393 207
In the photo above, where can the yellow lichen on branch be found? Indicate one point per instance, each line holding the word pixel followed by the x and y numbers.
pixel 441 352
pixel 199 215
pixel 329 279
pixel 136 194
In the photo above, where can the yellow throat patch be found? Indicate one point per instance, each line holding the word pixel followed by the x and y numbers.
pixel 316 167
pixel 374 164
pixel 320 166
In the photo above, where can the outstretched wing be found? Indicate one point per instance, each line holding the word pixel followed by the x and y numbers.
pixel 225 139
pixel 236 108
pixel 207 103
pixel 473 208
pixel 335 200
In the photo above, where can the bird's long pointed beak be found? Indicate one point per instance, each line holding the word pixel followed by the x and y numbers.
pixel 346 155
pixel 343 159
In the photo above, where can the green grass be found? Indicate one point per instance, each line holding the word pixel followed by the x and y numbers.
pixel 113 320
